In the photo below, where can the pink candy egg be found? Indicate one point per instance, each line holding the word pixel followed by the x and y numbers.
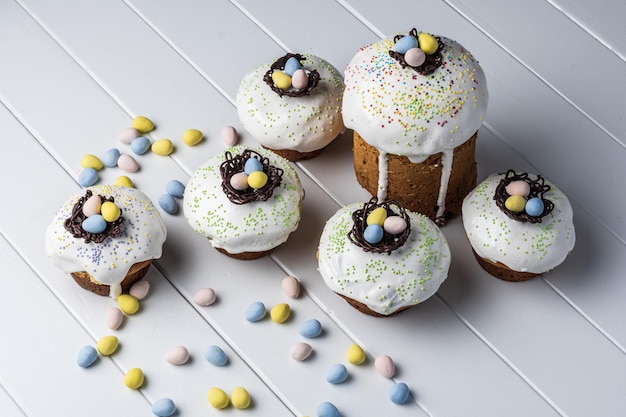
pixel 113 318
pixel 140 289
pixel 127 163
pixel 291 287
pixel 394 225
pixel 205 297
pixel 229 135
pixel 299 79
pixel 239 181
pixel 518 188
pixel 92 205
pixel 415 57
pixel 385 366
pixel 178 355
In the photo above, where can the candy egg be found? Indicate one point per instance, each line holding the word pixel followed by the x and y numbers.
pixel 291 286
pixel 113 318
pixel 337 374
pixel 128 304
pixel 124 181
pixel 109 158
pixel 239 181
pixel 87 355
pixel 291 66
pixel 310 329
pixel 168 204
pixel 281 80
pixel 251 165
pixel 127 163
pixel 405 43
pixel 162 147
pixel 218 398
pixel 140 289
pixel 215 356
pixel 301 351
pixel 91 161
pixel 394 225
pixel 87 177
pixel 94 224
pixel 385 366
pixel 534 207
pixel 92 205
pixel 140 145
pixel 143 124
pixel 373 233
pixel 175 188
pixel 229 135
pixel 257 179
pixel 255 311
pixel 327 409
pixel 127 135
pixel 280 312
pixel 518 188
pixel 355 354
pixel 415 57
pixel 110 212
pixel 134 378
pixel 515 203
pixel 377 216
pixel 107 345
pixel 240 398
pixel 427 43
pixel 399 393
pixel 164 407
pixel 178 355
pixel 204 297
pixel 192 137
pixel 299 80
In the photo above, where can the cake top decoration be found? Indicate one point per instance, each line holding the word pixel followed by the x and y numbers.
pixel 249 177
pixel 522 198
pixel 94 218
pixel 287 76
pixel 378 228
pixel 419 51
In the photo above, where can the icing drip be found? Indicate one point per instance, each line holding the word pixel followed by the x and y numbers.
pixel 446 171
pixel 383 173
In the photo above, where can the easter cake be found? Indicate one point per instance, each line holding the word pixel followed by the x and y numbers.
pixel 106 237
pixel 246 201
pixel 518 226
pixel 292 106
pixel 382 258
pixel 415 103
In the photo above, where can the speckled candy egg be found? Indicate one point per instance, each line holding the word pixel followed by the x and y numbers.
pixel 518 188
pixel 394 225
pixel 415 57
pixel 515 203
pixel 178 355
pixel 291 286
pixel 299 80
pixel 405 43
pixel 92 205
pixel 534 207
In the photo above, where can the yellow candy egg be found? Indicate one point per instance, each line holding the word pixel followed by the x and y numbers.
pixel 355 354
pixel 376 216
pixel 134 378
pixel 240 397
pixel 257 179
pixel 124 181
pixel 427 43
pixel 192 137
pixel 110 212
pixel 143 124
pixel 91 161
pixel 162 147
pixel 281 80
pixel 218 398
pixel 280 312
pixel 128 304
pixel 515 203
pixel 107 345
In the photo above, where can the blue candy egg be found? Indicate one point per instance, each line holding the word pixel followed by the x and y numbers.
pixel 163 407
pixel 86 356
pixel 255 311
pixel 215 356
pixel 405 43
pixel 175 188
pixel 373 233
pixel 110 157
pixel 310 329
pixel 337 374
pixel 140 145
pixel 327 409
pixel 94 224
pixel 251 165
pixel 534 206
pixel 168 204
pixel 399 393
pixel 291 66
pixel 87 177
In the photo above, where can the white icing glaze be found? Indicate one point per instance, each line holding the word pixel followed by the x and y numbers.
pixel 253 227
pixel 405 113
pixel 521 246
pixel 446 170
pixel 108 262
pixel 305 123
pixel 385 283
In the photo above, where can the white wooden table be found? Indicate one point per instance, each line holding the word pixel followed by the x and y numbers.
pixel 73 74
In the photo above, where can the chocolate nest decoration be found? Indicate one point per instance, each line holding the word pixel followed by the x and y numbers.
pixel 73 224
pixel 389 242
pixel 432 61
pixel 537 189
pixel 234 164
pixel 279 65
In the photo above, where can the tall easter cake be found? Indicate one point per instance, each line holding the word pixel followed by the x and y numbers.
pixel 415 103
pixel 292 106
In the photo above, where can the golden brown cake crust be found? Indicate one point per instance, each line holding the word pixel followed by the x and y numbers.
pixel 245 256
pixel 499 270
pixel 293 156
pixel 135 274
pixel 416 185
pixel 366 310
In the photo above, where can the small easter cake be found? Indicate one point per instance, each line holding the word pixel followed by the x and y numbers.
pixel 292 106
pixel 106 237
pixel 382 258
pixel 415 103
pixel 519 227
pixel 246 201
